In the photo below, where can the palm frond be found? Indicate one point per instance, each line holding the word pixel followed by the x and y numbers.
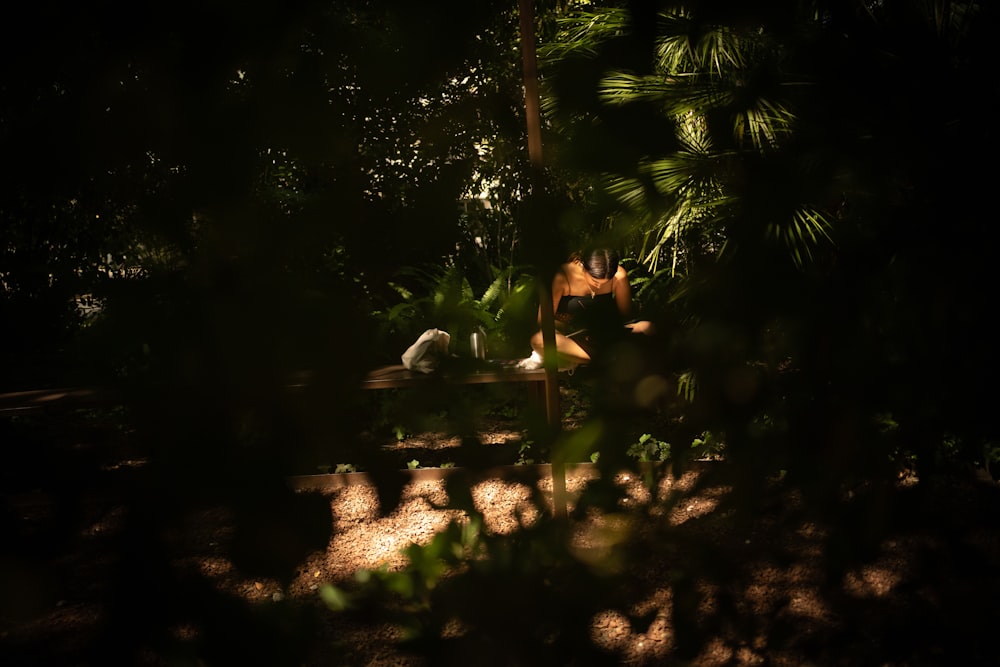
pixel 763 125
pixel 805 230
pixel 627 88
pixel 721 51
pixel 687 386
pixel 686 46
pixel 692 132
pixel 676 95
pixel 656 239
pixel 580 33
pixel 630 191
pixel 722 84
pixel 672 175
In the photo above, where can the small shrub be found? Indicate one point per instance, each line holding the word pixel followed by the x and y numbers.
pixel 709 446
pixel 649 449
pixel 524 456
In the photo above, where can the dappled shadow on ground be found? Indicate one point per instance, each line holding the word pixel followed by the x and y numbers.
pixel 900 578
pixel 677 572
pixel 692 581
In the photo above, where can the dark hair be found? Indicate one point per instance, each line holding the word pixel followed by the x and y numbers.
pixel 600 263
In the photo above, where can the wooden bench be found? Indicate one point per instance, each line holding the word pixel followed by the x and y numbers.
pixel 396 376
pixel 27 402
pixel 542 386
pixel 386 377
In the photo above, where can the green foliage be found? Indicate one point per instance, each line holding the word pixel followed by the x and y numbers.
pixel 759 160
pixel 708 446
pixel 578 444
pixel 436 297
pixel 505 409
pixel 802 184
pixel 526 453
pixel 719 99
pixel 232 191
pixel 649 449
pixel 336 599
pixel 687 384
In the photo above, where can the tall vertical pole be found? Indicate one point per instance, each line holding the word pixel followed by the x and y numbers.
pixel 530 64
pixel 534 127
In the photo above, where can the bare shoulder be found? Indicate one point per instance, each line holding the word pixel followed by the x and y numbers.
pixel 621 273
pixel 561 281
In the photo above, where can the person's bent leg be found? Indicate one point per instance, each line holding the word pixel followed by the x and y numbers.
pixel 569 352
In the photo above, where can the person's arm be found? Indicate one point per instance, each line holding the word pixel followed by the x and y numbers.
pixel 623 294
pixel 560 287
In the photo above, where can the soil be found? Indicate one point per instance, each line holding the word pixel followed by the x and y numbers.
pixel 707 585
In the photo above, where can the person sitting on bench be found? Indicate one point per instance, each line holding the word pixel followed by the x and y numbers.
pixel 592 304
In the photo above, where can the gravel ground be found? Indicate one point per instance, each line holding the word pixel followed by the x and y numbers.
pixel 764 591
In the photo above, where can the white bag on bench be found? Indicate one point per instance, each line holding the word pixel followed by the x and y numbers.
pixel 425 355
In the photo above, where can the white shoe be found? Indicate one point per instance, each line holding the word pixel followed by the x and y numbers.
pixel 534 362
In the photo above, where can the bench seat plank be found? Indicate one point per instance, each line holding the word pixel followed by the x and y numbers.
pixel 386 377
pixel 397 376
pixel 19 402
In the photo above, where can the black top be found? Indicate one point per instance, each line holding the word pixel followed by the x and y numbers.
pixel 588 312
pixel 575 306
